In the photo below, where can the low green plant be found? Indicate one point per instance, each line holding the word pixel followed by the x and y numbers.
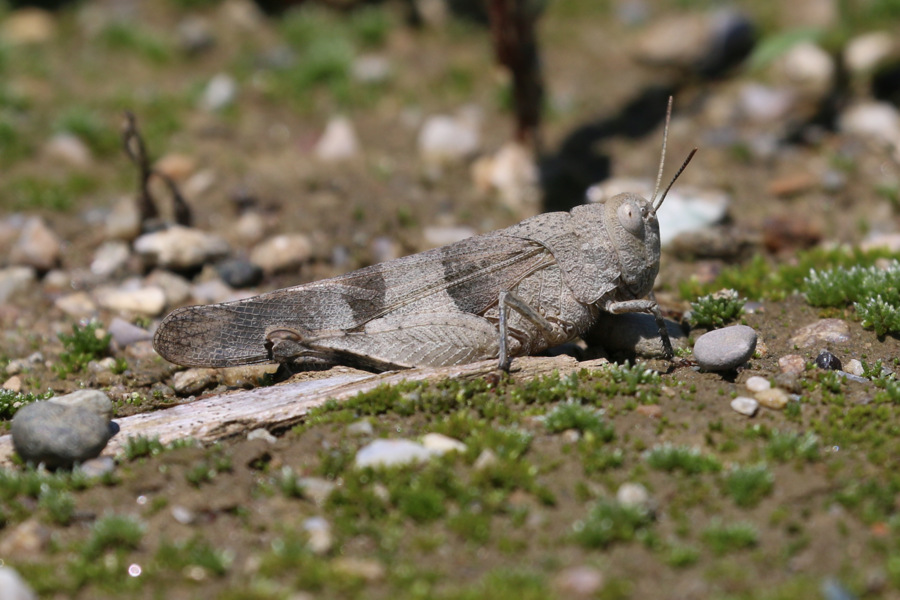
pixel 128 37
pixel 874 293
pixel 609 522
pixel 724 538
pixel 747 485
pixel 113 532
pixel 81 347
pixel 11 402
pixel 88 126
pixel 142 447
pixel 687 459
pixel 571 415
pixel 717 310
pixel 58 504
pixel 787 445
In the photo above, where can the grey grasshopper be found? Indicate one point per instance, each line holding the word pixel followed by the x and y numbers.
pixel 512 292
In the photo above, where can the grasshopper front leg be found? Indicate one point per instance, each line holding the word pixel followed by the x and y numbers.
pixel 510 300
pixel 646 306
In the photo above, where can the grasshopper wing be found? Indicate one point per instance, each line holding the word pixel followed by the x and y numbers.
pixel 463 277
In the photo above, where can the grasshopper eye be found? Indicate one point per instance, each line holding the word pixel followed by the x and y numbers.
pixel 631 219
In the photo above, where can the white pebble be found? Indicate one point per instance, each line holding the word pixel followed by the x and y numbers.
pixel 758 384
pixel 745 406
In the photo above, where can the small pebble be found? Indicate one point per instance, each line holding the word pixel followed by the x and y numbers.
pixel 774 398
pixel 319 532
pixel 854 367
pixel 823 331
pixel 371 68
pixel 13 587
pixel 109 258
pixel 725 349
pixel 338 142
pixel 95 468
pixel 633 495
pixel 194 381
pixel 446 138
pixel 13 384
pixel 58 435
pixel 828 361
pixel 792 363
pixel 389 453
pixel 28 538
pixel 38 246
pixel 262 433
pixel 15 281
pixel 239 273
pixel 653 411
pixel 363 568
pixel 758 384
pixel 125 334
pixel 485 460
pixel 362 428
pixel 579 582
pixel 745 406
pixel 183 515
pixel 219 93
pixel 76 304
pixel 571 436
pixel 69 150
pixel 180 247
pixel 316 489
pixel 149 300
pixel 441 444
pixel 282 252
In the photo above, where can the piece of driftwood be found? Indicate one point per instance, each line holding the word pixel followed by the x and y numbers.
pixel 281 406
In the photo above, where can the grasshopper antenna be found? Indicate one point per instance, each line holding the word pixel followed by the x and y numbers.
pixel 662 157
pixel 677 174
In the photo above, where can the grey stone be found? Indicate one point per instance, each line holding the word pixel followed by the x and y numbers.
pixel 319 534
pixel 149 300
pixel 447 138
pixel 877 121
pixel 389 453
pixel 212 291
pixel 180 247
pixel 68 149
pixel 362 428
pixel 338 141
pixel 194 34
pixel 58 435
pixel 76 304
pixel 725 349
pixel 93 400
pixel 38 246
pixel 192 381
pixel 440 444
pixel 822 332
pixel 176 288
pixel 109 258
pixel 371 68
pixel 239 273
pixel 13 587
pixel 262 434
pixel 633 495
pixel 123 221
pixel 316 489
pixel 96 468
pixel 282 252
pixel 633 334
pixel 14 281
pixel 125 333
pixel 219 92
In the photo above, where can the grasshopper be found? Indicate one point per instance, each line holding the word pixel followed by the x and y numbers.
pixel 512 292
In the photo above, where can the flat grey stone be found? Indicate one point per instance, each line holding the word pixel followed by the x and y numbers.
pixel 725 349
pixel 633 334
pixel 58 435
pixel 92 400
pixel 389 453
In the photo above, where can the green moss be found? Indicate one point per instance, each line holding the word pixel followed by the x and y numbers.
pixel 502 584
pixel 11 402
pixel 609 522
pixel 687 459
pixel 81 347
pixel 748 485
pixel 123 36
pixel 726 538
pixel 59 506
pixel 760 278
pixel 112 533
pixel 788 445
pixel 588 421
pixel 717 310
pixel 193 552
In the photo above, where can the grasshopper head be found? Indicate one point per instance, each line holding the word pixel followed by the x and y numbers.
pixel 634 230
